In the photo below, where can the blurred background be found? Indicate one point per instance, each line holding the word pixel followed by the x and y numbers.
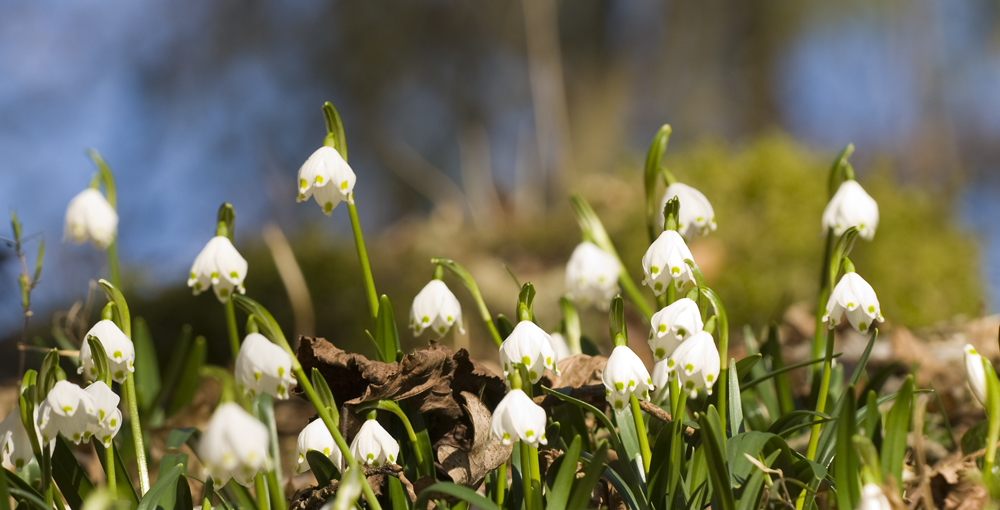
pixel 468 123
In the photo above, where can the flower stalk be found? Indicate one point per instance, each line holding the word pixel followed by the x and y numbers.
pixel 140 448
pixel 477 296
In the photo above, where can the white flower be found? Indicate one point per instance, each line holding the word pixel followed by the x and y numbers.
pixel 518 418
pixel 661 381
pixel 436 308
pixel 850 207
pixel 857 298
pixel 109 417
pixel 90 217
pixel 218 265
pixel 373 445
pixel 872 498
pixel 695 212
pixel 263 367
pixel 328 178
pixel 67 410
pixel 234 445
pixel 15 441
pixel 529 345
pixel 672 325
pixel 317 437
pixel 975 372
pixel 118 348
pixel 560 346
pixel 623 376
pixel 592 275
pixel 664 264
pixel 697 359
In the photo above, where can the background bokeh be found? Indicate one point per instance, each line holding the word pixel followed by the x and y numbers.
pixel 468 122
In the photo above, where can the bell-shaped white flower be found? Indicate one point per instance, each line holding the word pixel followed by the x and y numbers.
pixel 624 375
pixel 695 213
pixel 109 417
pixel 318 438
pixel 233 446
pixel 529 345
pixel 518 418
pixel 851 206
pixel 697 363
pixel 435 308
pixel 560 346
pixel 263 367
pixel 15 441
pixel 663 263
pixel 328 178
pixel 592 276
pixel 855 297
pixel 90 217
pixel 661 381
pixel 975 373
pixel 872 498
pixel 672 325
pixel 221 266
pixel 118 348
pixel 374 446
pixel 68 410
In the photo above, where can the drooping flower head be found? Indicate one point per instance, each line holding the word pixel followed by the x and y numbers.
pixel 975 373
pixel 850 207
pixel 663 263
pixel 672 325
pixel 374 446
pixel 263 367
pixel 89 217
pixel 109 417
pixel 661 381
pixel 592 276
pixel 66 410
pixel 872 498
pixel 221 266
pixel 529 345
pixel 15 443
pixel 695 215
pixel 435 308
pixel 317 437
pixel 234 445
pixel 697 363
pixel 328 178
pixel 855 297
pixel 118 348
pixel 625 375
pixel 518 418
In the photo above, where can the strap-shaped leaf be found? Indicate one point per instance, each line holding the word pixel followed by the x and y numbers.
pixel 123 482
pixel 268 326
pixel 322 467
pixel 558 494
pixel 775 373
pixel 325 394
pixel 718 471
pixel 170 498
pixel 190 377
pixel 750 496
pixel 582 489
pixel 147 367
pixel 571 324
pixel 652 170
pixel 735 402
pixel 386 334
pixel 458 491
pixel 72 480
pixel 746 365
pixel 179 437
pixel 47 373
pixel 166 483
pixel 504 326
pixel 897 427
pixel 846 465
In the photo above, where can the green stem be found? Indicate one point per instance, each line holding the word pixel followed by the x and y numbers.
pixel 676 445
pixel 140 449
pixel 113 265
pixel 536 478
pixel 501 478
pixel 261 492
pixel 109 460
pixel 274 490
pixel 526 477
pixel 675 394
pixel 234 334
pixel 46 467
pixel 412 435
pixel 366 269
pixel 633 294
pixel 640 429
pixel 823 295
pixel 824 387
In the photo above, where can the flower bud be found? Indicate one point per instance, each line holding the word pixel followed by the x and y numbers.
pixel 697 363
pixel 518 418
pixel 850 207
pixel 374 446
pixel 872 498
pixel 625 375
pixel 15 443
pixel 221 266
pixel 317 437
pixel 592 276
pixel 529 345
pixel 234 445
pixel 695 213
pixel 672 325
pixel 663 263
pixel 89 216
pixel 67 410
pixel 975 373
pixel 436 308
pixel 263 367
pixel 855 297
pixel 328 178
pixel 118 348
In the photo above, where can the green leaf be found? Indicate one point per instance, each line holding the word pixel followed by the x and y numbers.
pixel 182 495
pixel 175 366
pixel 525 301
pixel 504 326
pixel 745 365
pixel 846 465
pixel 239 495
pixel 558 494
pixel 871 472
pixel 750 495
pixel 652 170
pixel 781 371
pixel 4 491
pixel 630 440
pixel 570 324
pixel 102 367
pixel 121 307
pixel 126 490
pixel 322 467
pixel 582 488
pixel 974 439
pixel 897 426
pixel 268 326
pixel 31 498
pixel 458 491
pixel 16 483
pixel 397 496
pixel 827 439
pixel 325 394
pixel 187 435
pixel 169 498
pixel 712 436
pixel 386 334
pixel 47 373
pixel 190 377
pixel 164 484
pixel 147 367
pixel 616 321
pixel 735 403
pixel 72 480
pixel 782 387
